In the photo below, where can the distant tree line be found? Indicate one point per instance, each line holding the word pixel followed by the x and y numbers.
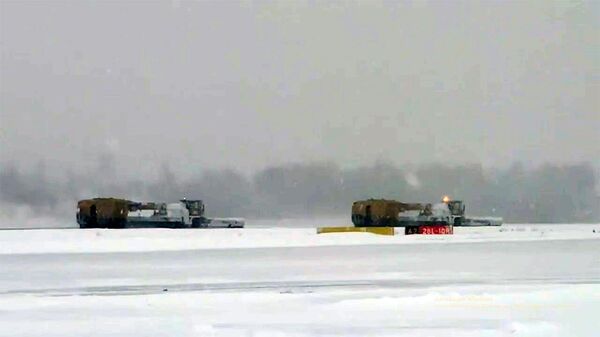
pixel 550 193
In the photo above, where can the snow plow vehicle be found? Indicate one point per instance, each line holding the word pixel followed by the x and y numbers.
pixel 422 218
pixel 122 213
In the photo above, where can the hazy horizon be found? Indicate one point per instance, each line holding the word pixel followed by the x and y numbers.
pixel 246 85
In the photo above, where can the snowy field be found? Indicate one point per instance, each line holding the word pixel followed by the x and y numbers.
pixel 514 280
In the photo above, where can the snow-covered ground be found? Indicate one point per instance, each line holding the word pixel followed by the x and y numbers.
pixel 140 240
pixel 516 280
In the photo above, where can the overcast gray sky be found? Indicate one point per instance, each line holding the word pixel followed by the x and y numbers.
pixel 241 84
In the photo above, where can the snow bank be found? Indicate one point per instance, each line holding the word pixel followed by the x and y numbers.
pixel 137 240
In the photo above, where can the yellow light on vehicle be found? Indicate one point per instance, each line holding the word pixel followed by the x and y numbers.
pixel 446 199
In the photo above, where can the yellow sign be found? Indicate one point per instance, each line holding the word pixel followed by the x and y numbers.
pixel 374 230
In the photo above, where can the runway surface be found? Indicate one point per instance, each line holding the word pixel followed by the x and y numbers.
pixel 459 286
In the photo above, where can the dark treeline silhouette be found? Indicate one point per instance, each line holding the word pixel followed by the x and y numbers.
pixel 547 194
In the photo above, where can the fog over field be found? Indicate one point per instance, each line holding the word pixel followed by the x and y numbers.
pixel 298 108
pixel 547 194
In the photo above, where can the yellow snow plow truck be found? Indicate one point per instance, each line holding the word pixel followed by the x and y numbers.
pixel 122 213
pixel 392 213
